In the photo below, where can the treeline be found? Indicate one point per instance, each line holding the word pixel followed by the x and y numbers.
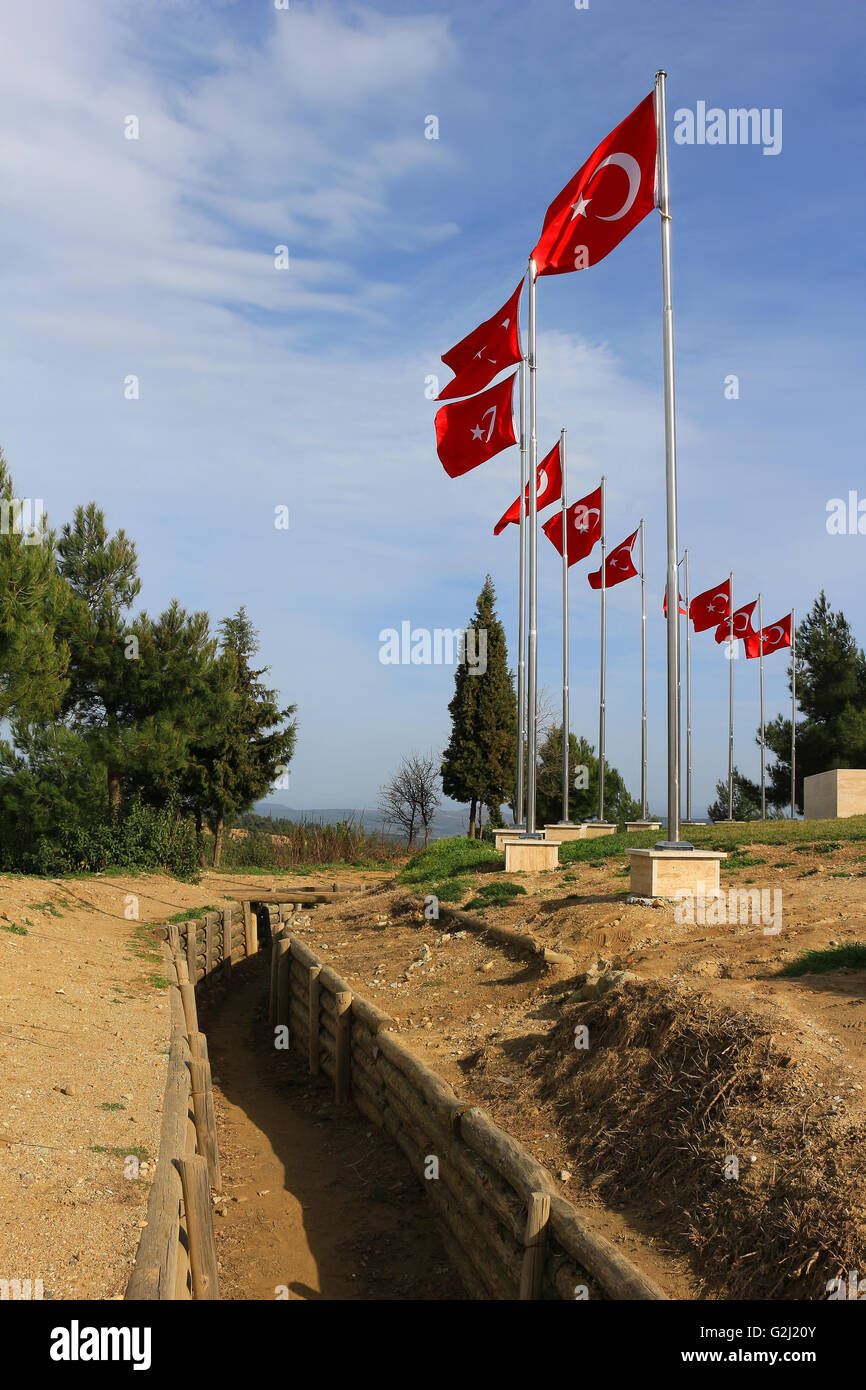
pixel 126 734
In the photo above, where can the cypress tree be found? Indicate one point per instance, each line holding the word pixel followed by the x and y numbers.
pixel 478 766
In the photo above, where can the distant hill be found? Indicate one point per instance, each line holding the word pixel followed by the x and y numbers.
pixel 449 821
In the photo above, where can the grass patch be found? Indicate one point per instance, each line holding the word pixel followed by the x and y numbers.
pixel 439 868
pixel 190 913
pixel 112 1105
pixel 11 927
pixel 135 1151
pixel 852 955
pixel 743 861
pixel 495 895
pixel 807 873
pixel 45 907
pixel 157 982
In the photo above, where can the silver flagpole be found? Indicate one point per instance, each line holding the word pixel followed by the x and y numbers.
pixel 603 653
pixel 688 691
pixel 643 797
pixel 793 713
pixel 731 650
pixel 532 711
pixel 761 659
pixel 521 610
pixel 564 632
pixel 673 633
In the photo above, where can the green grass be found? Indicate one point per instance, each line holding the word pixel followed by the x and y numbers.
pixel 807 873
pixel 439 868
pixel 191 912
pixel 46 907
pixel 742 861
pixel 11 927
pixel 112 1105
pixel 494 895
pixel 157 981
pixel 136 1151
pixel 852 955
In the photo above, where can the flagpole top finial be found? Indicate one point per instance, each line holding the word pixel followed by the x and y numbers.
pixel 662 72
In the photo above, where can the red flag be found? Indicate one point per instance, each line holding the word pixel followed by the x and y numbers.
pixel 489 348
pixel 584 527
pixel 683 611
pixel 471 432
pixel 707 608
pixel 608 196
pixel 617 567
pixel 742 624
pixel 549 485
pixel 776 636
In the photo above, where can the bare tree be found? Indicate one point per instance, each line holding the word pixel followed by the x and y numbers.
pixel 411 798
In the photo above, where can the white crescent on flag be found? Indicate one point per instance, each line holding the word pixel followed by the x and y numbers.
pixel 632 169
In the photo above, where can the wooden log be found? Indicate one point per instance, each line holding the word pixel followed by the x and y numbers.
pixel 334 982
pixel 363 1085
pixel 532 1271
pixel 210 942
pixel 489 1187
pixel 326 1063
pixel 367 1107
pixel 205 1120
pixel 199 1223
pixel 372 1018
pixel 272 996
pixel 327 1001
pixel 523 942
pixel 227 941
pixel 303 955
pixel 313 1017
pixel 191 949
pixel 304 896
pixel 190 1012
pixel 503 1153
pixel 599 1257
pixel 568 1279
pixel 437 1093
pixel 173 938
pixel 154 1273
pixel 342 1054
pixel 283 962
pixel 181 969
pixel 251 928
pixel 198 1048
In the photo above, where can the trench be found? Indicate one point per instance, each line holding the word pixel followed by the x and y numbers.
pixel 317 1203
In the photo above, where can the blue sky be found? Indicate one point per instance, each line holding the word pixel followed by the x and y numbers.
pixel 305 387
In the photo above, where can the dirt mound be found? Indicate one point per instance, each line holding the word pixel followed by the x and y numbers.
pixel 688 1111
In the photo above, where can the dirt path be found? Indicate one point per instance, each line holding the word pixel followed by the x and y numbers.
pixel 317 1202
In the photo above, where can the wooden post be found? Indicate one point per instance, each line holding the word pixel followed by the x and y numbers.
pixel 251 929
pixel 208 945
pixel 205 1119
pixel 342 1051
pixel 535 1239
pixel 174 938
pixel 190 1013
pixel 272 997
pixel 180 967
pixel 199 1227
pixel 227 941
pixel 191 936
pixel 198 1048
pixel 284 963
pixel 314 1019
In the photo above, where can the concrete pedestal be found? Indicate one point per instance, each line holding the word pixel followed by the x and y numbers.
pixel 660 873
pixel 595 828
pixel 526 856
pixel 508 832
pixel 830 795
pixel 565 830
pixel 643 825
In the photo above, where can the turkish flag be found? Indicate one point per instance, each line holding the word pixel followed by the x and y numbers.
pixel 549 486
pixel 742 624
pixel 584 527
pixel 617 567
pixel 471 432
pixel 683 611
pixel 706 609
pixel 489 348
pixel 608 196
pixel 776 636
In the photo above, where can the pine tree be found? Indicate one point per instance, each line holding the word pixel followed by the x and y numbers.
pixel 582 783
pixel 831 693
pixel 478 766
pixel 33 660
pixel 746 799
pixel 248 743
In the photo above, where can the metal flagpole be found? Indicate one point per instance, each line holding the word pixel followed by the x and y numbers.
pixel 532 710
pixel 731 650
pixel 521 619
pixel 673 628
pixel 761 659
pixel 688 690
pixel 603 654
pixel 793 713
pixel 643 797
pixel 564 632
